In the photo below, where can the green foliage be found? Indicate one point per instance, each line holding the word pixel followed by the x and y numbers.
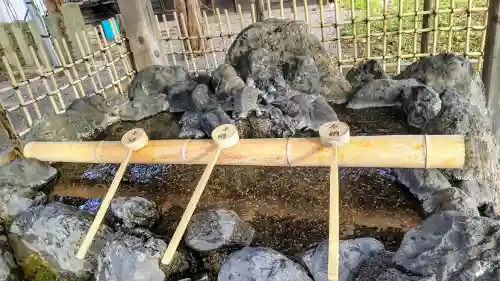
pixel 403 18
pixel 36 269
pixel 359 4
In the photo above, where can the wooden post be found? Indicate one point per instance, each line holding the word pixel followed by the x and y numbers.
pixel 9 130
pixel 143 33
pixel 259 9
pixel 424 43
pixel 491 67
pixel 74 23
pixel 191 11
pixel 22 44
pixel 5 43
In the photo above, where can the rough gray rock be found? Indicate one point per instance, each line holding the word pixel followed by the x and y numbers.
pixel 155 79
pixel 314 111
pixel 303 75
pixel 480 192
pixel 422 183
pixel 353 255
pixel 246 102
pixel 210 113
pixel 435 192
pixel 381 93
pixel 134 211
pixel 263 264
pixel 27 172
pixel 460 116
pixel 286 40
pixel 166 86
pixel 214 229
pixel 20 182
pixel 126 257
pixel 445 71
pixel 9 270
pixel 421 104
pixel 451 199
pixel 226 81
pixel 144 107
pixel 16 199
pixel 53 233
pixel 449 246
pixel 374 266
pixel 84 119
pixel 365 72
pixel 260 69
pixel 464 112
pixel 190 126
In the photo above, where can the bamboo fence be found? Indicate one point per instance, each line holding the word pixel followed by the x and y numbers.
pixel 396 35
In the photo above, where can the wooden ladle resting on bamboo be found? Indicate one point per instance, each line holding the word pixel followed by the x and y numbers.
pixel 334 134
pixel 133 140
pixel 224 136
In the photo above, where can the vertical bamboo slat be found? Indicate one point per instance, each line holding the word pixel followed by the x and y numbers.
pixel 468 30
pixel 400 35
pixel 13 81
pixel 435 28
pixel 169 38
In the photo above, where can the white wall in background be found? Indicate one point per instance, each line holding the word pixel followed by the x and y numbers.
pixel 19 9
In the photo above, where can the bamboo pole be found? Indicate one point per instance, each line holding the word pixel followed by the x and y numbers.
pixel 334 134
pixel 224 136
pixel 402 151
pixel 132 141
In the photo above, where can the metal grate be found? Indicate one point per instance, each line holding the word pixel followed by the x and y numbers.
pixel 396 33
pixel 52 89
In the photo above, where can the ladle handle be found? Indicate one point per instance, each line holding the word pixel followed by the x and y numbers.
pixel 104 207
pixel 186 217
pixel 333 220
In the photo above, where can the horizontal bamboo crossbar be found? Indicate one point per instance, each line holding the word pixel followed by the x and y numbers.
pixel 401 151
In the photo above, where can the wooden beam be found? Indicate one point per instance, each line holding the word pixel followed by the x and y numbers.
pixel 491 68
pixel 143 33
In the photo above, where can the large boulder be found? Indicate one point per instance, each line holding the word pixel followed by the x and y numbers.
pixel 451 199
pixel 422 183
pixel 20 184
pixel 16 199
pixel 125 257
pixel 464 112
pixel 481 192
pixel 448 246
pixel 365 72
pixel 83 119
pixel 46 239
pixel 213 229
pixel 27 172
pixel 144 107
pixel 435 192
pixel 9 270
pixel 286 41
pixel 262 264
pixel 158 88
pixel 134 211
pixel 381 93
pixel 353 256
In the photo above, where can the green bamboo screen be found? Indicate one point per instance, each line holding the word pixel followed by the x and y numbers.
pixel 395 32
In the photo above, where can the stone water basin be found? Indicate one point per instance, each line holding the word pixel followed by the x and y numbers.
pixel 287 206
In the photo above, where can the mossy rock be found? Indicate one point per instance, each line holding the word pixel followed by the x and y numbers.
pixel 36 269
